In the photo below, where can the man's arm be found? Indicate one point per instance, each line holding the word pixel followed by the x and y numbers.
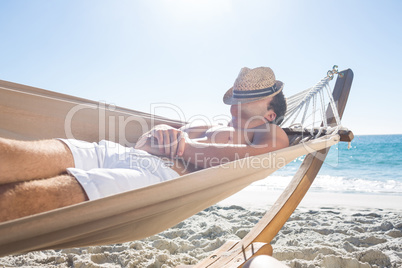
pixel 194 131
pixel 170 142
pixel 204 155
pixel 163 140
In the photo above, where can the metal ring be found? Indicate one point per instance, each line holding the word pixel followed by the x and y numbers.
pixel 330 74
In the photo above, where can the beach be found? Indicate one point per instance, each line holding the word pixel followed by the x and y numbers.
pixel 326 230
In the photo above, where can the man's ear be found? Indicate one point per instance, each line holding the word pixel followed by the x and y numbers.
pixel 270 115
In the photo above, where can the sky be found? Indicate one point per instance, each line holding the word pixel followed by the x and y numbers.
pixel 185 54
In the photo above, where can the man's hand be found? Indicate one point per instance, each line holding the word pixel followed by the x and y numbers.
pixel 163 140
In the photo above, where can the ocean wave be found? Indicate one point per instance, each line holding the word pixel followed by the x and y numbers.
pixel 327 183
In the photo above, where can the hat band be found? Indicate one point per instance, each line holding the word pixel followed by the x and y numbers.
pixel 245 94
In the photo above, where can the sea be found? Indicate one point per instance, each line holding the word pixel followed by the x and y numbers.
pixel 370 164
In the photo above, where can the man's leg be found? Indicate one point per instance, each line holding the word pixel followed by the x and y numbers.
pixel 30 197
pixel 26 160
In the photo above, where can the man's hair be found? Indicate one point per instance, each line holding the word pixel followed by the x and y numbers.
pixel 278 104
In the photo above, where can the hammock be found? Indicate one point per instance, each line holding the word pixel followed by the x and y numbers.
pixel 133 215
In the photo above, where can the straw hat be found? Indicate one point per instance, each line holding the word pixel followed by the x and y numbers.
pixel 252 85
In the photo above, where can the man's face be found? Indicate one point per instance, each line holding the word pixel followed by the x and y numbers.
pixel 252 114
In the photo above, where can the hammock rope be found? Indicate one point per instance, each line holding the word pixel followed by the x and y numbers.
pixel 303 107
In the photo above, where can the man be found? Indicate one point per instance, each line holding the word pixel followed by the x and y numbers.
pixel 43 175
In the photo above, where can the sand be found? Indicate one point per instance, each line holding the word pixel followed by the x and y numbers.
pixel 323 232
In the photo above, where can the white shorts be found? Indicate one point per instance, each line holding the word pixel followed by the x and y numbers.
pixel 108 168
